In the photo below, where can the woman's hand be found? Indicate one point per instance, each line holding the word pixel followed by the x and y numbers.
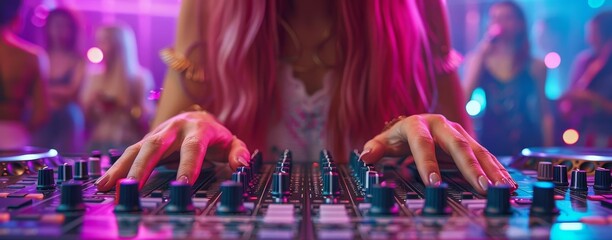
pixel 419 135
pixel 193 134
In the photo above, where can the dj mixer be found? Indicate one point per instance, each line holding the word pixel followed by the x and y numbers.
pixel 47 196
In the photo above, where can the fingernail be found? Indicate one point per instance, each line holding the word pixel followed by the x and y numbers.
pixel 484 182
pixel 364 152
pixel 242 161
pixel 504 181
pixel 183 179
pixel 434 179
pixel 131 178
pixel 102 180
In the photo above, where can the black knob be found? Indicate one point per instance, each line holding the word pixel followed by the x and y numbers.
pixel 545 171
pixel 602 179
pixel 80 170
pixel 579 181
pixel 372 180
pixel 383 202
pixel 94 167
pixel 231 198
pixel 247 170
pixel 242 179
pixel 180 198
pixel 498 201
pixel 129 198
pixel 331 186
pixel 96 154
pixel 543 202
pixel 45 179
pixel 71 198
pixel 560 175
pixel 280 184
pixel 114 155
pixel 64 173
pixel 435 200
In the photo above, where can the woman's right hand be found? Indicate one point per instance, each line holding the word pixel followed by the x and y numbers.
pixel 193 134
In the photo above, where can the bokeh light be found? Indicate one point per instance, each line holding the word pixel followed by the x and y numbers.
pixel 596 3
pixel 95 55
pixel 473 108
pixel 552 60
pixel 570 136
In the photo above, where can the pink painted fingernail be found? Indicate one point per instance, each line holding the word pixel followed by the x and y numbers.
pixel 102 180
pixel 364 152
pixel 183 179
pixel 242 161
pixel 434 179
pixel 483 182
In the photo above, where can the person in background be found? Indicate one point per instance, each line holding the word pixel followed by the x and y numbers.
pixel 23 83
pixel 587 106
pixel 307 75
pixel 115 99
pixel 65 130
pixel 517 113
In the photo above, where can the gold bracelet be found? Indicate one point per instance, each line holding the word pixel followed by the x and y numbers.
pixel 182 65
pixel 390 123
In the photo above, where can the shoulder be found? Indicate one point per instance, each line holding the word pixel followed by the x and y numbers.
pixel 28 50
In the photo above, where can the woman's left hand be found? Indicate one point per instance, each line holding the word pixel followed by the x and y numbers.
pixel 419 135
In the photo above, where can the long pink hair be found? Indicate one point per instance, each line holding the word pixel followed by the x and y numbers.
pixel 383 69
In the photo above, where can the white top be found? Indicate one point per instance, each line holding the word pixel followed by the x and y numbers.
pixel 301 127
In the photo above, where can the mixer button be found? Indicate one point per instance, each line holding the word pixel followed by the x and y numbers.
pixel 579 181
pixel 280 184
pixel 331 184
pixel 560 175
pixel 93 167
pixel 129 197
pixel 81 170
pixel 602 179
pixel 545 171
pixel 180 198
pixel 435 201
pixel 231 198
pixel 71 198
pixel 543 202
pixel 64 173
pixel 45 179
pixel 383 200
pixel 498 200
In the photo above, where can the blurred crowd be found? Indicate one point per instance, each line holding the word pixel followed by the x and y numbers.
pixel 49 98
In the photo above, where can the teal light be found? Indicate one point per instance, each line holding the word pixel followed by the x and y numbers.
pixel 553 85
pixel 477 103
pixel 596 3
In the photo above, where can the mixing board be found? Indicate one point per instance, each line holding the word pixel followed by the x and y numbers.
pixel 43 195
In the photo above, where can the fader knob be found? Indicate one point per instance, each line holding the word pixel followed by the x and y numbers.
pixel 64 173
pixel 543 202
pixel 247 170
pixel 280 184
pixel 579 181
pixel 80 170
pixel 560 175
pixel 231 198
pixel 93 167
pixel 114 155
pixel 383 202
pixel 241 178
pixel 71 198
pixel 372 179
pixel 45 179
pixel 129 198
pixel 96 154
pixel 498 200
pixel 545 171
pixel 180 198
pixel 602 179
pixel 331 186
pixel 435 200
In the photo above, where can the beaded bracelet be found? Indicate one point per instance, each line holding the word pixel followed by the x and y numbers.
pixel 182 65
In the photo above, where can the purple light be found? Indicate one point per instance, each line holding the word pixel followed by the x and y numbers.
pixel 552 60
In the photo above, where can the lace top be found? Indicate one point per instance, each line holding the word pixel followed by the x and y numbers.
pixel 301 127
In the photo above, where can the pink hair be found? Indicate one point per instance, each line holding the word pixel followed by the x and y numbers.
pixel 383 68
